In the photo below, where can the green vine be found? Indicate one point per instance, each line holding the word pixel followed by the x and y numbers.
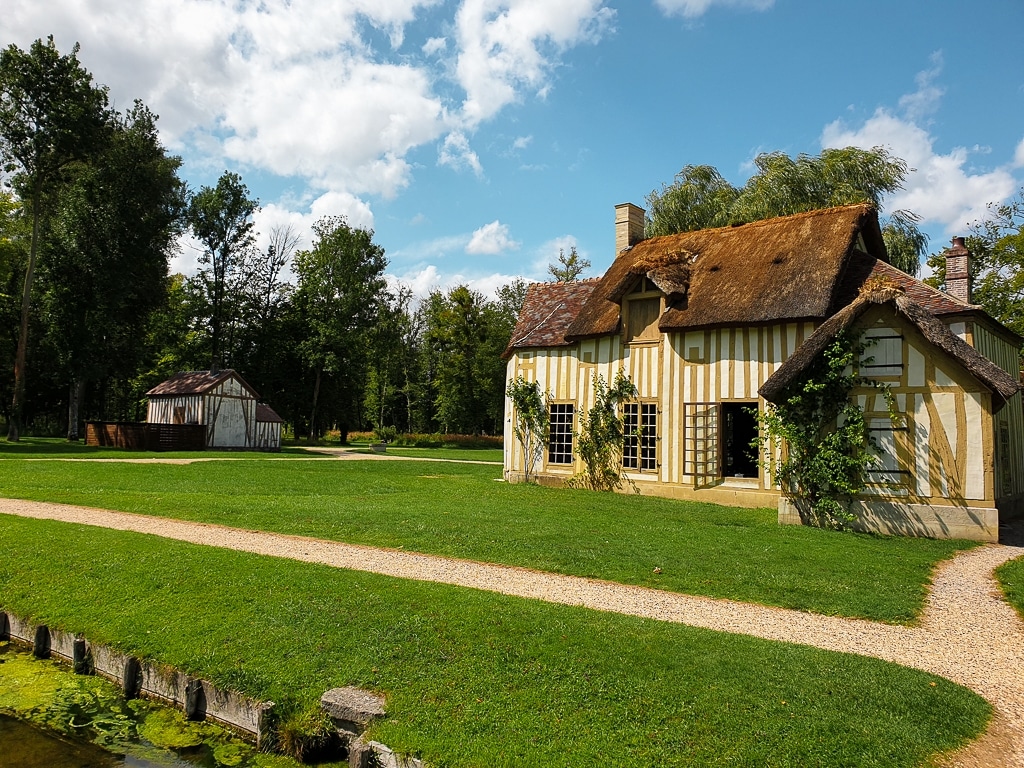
pixel 600 439
pixel 530 421
pixel 828 447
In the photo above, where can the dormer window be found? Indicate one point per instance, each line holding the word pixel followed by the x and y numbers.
pixel 641 309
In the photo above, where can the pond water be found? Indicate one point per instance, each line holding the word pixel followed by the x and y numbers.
pixel 53 718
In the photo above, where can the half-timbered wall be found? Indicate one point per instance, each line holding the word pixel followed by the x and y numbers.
pixel 943 437
pixel 942 449
pixel 231 410
pixel 268 436
pixel 175 409
pixel 716 366
pixel 1009 426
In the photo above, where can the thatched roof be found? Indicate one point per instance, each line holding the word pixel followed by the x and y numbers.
pixel 778 269
pixel 196 383
pixel 885 291
pixel 548 310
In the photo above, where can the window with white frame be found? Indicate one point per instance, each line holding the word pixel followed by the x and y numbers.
pixel 560 422
pixel 640 444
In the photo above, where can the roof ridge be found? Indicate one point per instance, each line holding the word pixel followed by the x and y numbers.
pixel 763 222
pixel 885 265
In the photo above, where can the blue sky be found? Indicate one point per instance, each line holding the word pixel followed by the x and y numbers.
pixel 477 137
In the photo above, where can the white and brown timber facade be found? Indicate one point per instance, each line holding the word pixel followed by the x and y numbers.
pixel 221 401
pixel 702 322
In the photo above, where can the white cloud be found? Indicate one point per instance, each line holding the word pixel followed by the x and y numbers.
pixel 926 98
pixel 547 254
pixel 940 188
pixel 424 280
pixel 521 142
pixel 1018 155
pixel 287 86
pixel 353 135
pixel 491 239
pixel 691 9
pixel 456 153
pixel 505 45
pixel 435 45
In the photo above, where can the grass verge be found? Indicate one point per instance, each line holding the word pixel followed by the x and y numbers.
pixel 459 510
pixel 473 678
pixel 1011 579
pixel 495 455
pixel 57 448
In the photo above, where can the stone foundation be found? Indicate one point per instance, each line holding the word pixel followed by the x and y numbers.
pixel 896 518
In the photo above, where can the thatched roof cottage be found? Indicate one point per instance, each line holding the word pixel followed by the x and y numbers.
pixel 711 324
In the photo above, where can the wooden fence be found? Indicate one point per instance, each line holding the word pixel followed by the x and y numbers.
pixel 146 437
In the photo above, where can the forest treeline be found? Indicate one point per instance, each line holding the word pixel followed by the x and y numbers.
pixel 92 213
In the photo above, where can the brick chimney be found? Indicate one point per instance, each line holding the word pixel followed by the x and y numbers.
pixel 629 225
pixel 958 265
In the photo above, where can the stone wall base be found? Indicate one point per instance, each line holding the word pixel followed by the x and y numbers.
pixel 896 518
pixel 199 698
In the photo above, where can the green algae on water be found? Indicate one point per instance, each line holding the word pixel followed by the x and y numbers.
pixel 92 709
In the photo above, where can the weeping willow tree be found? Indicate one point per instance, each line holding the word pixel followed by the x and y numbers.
pixel 701 198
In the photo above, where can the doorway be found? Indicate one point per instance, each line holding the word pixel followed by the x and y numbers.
pixel 739 431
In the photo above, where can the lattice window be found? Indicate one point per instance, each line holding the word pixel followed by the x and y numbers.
pixel 560 433
pixel 640 446
pixel 701 443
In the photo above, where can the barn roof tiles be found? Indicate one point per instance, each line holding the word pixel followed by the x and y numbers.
pixel 196 383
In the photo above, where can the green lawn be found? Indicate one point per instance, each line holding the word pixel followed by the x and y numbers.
pixel 460 510
pixel 1011 579
pixel 56 448
pixel 495 455
pixel 477 679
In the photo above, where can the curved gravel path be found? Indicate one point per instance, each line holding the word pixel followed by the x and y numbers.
pixel 967 632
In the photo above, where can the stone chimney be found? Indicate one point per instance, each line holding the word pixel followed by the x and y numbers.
pixel 958 265
pixel 629 226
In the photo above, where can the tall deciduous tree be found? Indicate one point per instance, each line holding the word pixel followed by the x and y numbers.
pixel 340 281
pixel 51 115
pixel 107 250
pixel 569 267
pixel 15 234
pixel 700 197
pixel 221 219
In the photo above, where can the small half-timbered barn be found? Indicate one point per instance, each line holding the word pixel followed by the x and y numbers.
pixel 710 326
pixel 268 428
pixel 221 401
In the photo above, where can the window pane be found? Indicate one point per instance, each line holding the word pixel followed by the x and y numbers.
pixel 640 441
pixel 630 443
pixel 560 433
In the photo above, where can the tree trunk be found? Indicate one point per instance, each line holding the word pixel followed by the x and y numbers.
pixel 18 403
pixel 74 398
pixel 316 395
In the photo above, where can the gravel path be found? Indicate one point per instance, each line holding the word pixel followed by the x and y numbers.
pixel 967 633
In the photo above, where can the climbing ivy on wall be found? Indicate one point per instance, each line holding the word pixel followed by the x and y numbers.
pixel 828 449
pixel 530 421
pixel 600 439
